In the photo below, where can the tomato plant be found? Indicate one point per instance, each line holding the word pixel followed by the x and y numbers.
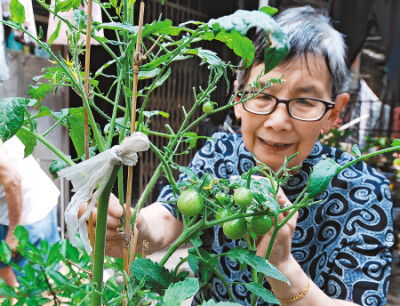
pixel 206 198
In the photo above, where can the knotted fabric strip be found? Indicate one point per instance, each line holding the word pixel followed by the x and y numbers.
pixel 93 174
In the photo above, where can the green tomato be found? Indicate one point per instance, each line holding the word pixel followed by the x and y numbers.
pixel 222 197
pixel 208 107
pixel 242 196
pixel 222 213
pixel 234 229
pixel 190 203
pixel 259 225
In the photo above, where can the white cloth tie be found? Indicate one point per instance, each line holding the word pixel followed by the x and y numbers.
pixel 92 174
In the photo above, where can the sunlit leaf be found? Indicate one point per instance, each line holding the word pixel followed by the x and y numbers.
pixel 17 11
pixel 11 116
pixel 180 292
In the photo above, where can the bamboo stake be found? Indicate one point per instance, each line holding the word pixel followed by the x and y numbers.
pixel 136 65
pixel 87 93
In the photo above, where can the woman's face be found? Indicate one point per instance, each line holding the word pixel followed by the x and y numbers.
pixel 275 136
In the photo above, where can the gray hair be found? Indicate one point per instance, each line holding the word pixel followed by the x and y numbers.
pixel 309 31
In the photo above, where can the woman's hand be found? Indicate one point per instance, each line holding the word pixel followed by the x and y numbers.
pixel 281 252
pixel 114 234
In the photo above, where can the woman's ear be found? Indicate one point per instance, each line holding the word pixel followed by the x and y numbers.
pixel 340 102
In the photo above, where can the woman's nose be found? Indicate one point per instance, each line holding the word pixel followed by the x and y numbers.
pixel 279 119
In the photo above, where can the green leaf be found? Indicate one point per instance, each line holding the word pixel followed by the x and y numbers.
pixel 191 138
pixel 152 113
pixel 161 27
pixel 320 177
pixel 79 18
pixel 149 74
pixel 65 6
pixel 180 292
pixel 55 33
pixel 39 92
pixel 17 11
pixel 242 21
pixel 356 151
pixel 269 10
pixel 207 56
pixel 396 143
pixel 57 165
pixel 22 235
pixel 28 140
pixel 262 292
pixel 257 262
pixel 156 277
pixel 162 79
pixel 241 45
pixel 7 291
pixel 11 116
pixel 5 252
pixel 193 263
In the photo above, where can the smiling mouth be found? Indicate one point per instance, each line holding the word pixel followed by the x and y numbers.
pixel 276 145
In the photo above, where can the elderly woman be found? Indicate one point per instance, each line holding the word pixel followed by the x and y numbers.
pixel 334 253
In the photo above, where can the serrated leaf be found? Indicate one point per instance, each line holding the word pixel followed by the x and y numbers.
pixel 356 150
pixel 241 45
pixel 28 140
pixel 207 56
pixel 396 143
pixel 39 92
pixel 17 11
pixel 156 277
pixel 55 33
pixel 262 292
pixel 161 27
pixel 258 263
pixel 180 292
pixel 65 6
pixel 11 116
pixel 241 21
pixel 321 175
pixel 5 252
pixel 152 113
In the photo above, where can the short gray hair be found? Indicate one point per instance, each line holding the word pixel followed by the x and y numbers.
pixel 309 31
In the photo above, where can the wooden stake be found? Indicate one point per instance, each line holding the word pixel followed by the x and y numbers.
pixel 136 65
pixel 87 94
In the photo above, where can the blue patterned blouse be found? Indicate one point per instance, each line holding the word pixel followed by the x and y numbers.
pixel 342 244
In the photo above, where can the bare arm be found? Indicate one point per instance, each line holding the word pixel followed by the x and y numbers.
pixel 11 181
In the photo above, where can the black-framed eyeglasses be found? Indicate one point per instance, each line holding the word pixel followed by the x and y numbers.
pixel 304 109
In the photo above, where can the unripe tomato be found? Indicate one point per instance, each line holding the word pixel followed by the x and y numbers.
pixel 208 107
pixel 234 229
pixel 242 196
pixel 223 213
pixel 222 197
pixel 259 225
pixel 190 203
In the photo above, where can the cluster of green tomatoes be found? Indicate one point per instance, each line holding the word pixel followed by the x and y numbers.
pixel 191 203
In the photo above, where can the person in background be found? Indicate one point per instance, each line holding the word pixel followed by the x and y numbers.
pixel 333 253
pixel 28 197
